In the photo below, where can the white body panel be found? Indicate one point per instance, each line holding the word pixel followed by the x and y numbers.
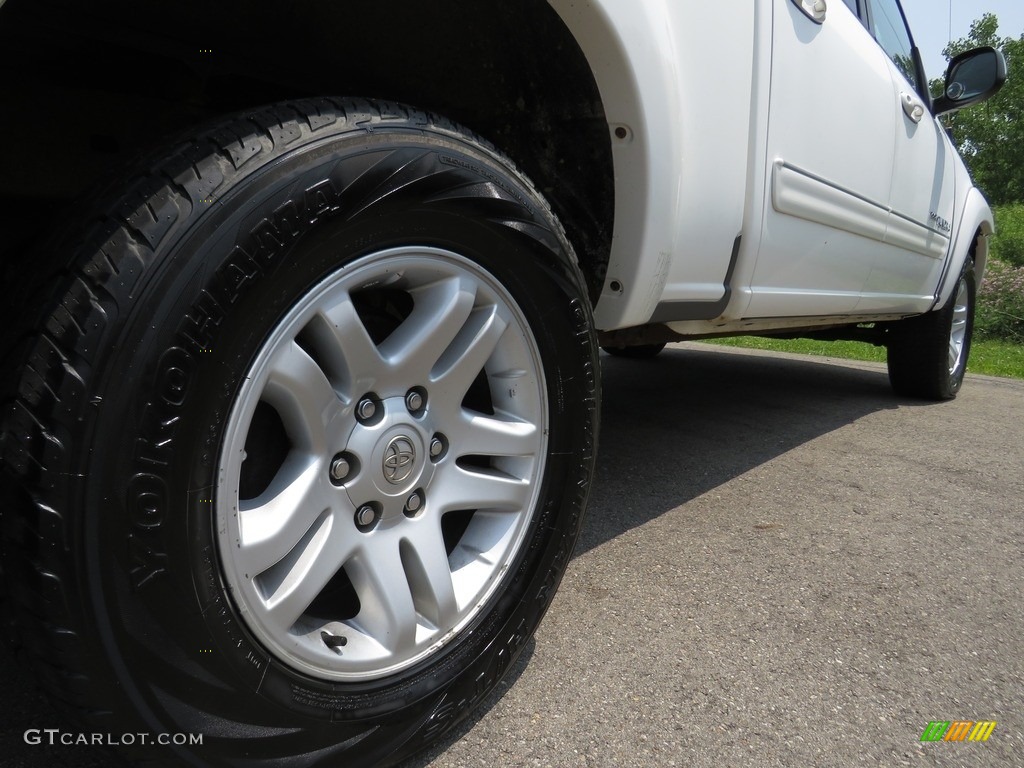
pixel 831 128
pixel 787 133
pixel 684 100
pixel 709 215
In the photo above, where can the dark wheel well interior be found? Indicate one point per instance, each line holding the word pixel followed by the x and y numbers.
pixel 88 86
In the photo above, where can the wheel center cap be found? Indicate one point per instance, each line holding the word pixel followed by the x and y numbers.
pixel 399 459
pixel 394 455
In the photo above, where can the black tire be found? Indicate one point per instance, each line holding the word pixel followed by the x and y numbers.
pixel 927 355
pixel 118 434
pixel 638 352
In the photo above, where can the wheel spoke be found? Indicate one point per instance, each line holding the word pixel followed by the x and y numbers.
pixel 456 488
pixel 273 523
pixel 465 358
pixel 429 574
pixel 347 349
pixel 479 435
pixel 440 312
pixel 387 612
pixel 303 397
pixel 309 567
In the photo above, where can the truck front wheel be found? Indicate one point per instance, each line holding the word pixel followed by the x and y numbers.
pixel 304 443
pixel 927 355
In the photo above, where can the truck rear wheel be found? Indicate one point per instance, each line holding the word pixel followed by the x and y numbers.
pixel 304 443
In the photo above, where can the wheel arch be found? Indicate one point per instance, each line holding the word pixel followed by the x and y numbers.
pixel 115 75
pixel 977 224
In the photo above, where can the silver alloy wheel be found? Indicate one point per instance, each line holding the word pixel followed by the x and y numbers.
pixel 958 328
pixel 359 578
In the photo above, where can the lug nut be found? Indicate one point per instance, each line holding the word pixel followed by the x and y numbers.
pixel 340 469
pixel 414 401
pixel 365 516
pixel 414 502
pixel 436 446
pixel 366 409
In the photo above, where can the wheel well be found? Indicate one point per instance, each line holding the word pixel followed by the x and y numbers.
pixel 99 82
pixel 979 251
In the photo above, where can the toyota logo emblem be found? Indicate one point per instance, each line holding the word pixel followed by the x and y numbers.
pixel 399 459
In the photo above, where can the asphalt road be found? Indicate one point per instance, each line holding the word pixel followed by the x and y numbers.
pixel 783 565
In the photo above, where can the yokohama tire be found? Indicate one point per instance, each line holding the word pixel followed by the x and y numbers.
pixel 141 437
pixel 927 355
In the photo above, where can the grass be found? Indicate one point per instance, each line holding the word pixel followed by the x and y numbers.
pixel 997 358
pixel 989 357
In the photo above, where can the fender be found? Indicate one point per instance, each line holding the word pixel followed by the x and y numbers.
pixel 975 227
pixel 680 176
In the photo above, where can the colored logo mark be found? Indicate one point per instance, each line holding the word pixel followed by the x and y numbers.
pixel 958 730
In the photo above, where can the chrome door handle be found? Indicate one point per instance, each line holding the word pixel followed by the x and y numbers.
pixel 913 107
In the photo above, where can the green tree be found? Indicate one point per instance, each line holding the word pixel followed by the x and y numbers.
pixel 990 136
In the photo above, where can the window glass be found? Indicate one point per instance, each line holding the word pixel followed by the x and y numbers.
pixel 853 5
pixel 890 31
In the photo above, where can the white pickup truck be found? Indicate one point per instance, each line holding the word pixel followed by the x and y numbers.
pixel 300 403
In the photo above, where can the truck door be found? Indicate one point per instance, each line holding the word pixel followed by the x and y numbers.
pixel 906 275
pixel 830 145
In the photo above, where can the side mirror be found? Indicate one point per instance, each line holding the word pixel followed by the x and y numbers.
pixel 972 77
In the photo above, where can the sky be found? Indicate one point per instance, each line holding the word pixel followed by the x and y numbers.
pixel 929 22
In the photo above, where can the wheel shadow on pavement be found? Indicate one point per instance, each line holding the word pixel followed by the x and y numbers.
pixel 683 423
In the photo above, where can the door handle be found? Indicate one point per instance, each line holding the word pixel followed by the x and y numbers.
pixel 913 107
pixel 814 10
